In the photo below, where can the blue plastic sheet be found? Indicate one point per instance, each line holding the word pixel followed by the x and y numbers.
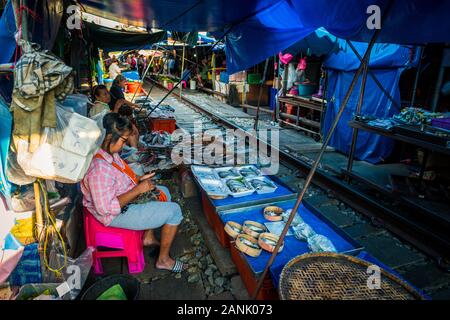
pixel 7 30
pixel 292 246
pixel 5 137
pixel 387 63
pixel 28 269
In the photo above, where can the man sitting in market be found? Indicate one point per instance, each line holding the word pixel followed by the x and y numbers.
pixel 118 198
pixel 102 98
pixel 117 93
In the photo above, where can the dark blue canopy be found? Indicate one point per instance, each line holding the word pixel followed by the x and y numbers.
pixel 262 28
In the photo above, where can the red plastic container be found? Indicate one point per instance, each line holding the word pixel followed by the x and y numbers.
pixel 168 125
pixel 133 87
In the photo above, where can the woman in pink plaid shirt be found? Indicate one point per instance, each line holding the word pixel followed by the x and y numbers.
pixel 109 190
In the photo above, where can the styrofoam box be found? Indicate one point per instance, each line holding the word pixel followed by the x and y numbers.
pixel 56 162
pixel 81 135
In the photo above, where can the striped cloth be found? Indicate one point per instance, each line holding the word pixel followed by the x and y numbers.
pixel 28 269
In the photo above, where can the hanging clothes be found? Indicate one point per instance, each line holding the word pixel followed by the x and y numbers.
pixel 39 79
pixel 5 136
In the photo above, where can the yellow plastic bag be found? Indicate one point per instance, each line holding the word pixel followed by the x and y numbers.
pixel 23 230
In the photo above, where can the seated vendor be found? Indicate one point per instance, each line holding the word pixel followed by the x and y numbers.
pixel 118 198
pixel 101 98
pixel 117 94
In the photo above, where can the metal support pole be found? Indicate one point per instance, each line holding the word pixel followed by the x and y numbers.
pixel 375 79
pixel 358 111
pixel 263 80
pixel 308 180
pixel 416 80
pixel 182 69
pixel 440 79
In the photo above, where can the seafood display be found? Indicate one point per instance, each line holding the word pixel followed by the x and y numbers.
pixel 233 229
pixel 273 213
pixel 253 228
pixel 249 172
pixel 268 242
pixel 214 188
pixel 262 185
pixel 227 173
pixel 320 243
pixel 239 187
pixel 156 138
pixel 248 245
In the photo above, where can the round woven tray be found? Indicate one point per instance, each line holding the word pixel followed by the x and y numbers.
pixel 331 276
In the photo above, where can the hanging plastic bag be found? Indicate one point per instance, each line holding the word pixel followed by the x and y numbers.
pixel 10 253
pixel 65 152
pixel 77 102
pixel 73 273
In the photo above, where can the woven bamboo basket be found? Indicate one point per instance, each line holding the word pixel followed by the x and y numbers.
pixel 277 216
pixel 266 246
pixel 233 229
pixel 242 247
pixel 332 276
pixel 250 232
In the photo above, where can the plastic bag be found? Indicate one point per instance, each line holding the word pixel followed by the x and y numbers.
pixel 39 291
pixel 74 273
pixel 320 243
pixel 65 152
pixel 303 231
pixel 77 102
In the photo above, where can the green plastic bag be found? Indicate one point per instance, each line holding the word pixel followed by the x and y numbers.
pixel 114 293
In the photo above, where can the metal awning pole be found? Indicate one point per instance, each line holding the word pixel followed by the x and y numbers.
pixel 358 111
pixel 364 62
pixel 263 80
pixel 416 80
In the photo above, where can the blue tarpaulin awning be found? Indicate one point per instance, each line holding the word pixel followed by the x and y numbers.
pixel 261 28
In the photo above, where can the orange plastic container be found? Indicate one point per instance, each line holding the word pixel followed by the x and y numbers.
pixel 133 87
pixel 168 125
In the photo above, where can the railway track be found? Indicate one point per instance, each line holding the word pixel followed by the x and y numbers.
pixel 423 234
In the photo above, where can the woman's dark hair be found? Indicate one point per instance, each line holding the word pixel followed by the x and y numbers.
pixel 96 91
pixel 116 125
pixel 119 78
pixel 125 111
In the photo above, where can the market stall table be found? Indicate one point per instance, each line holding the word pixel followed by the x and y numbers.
pixel 251 268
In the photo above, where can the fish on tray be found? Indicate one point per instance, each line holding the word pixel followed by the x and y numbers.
pixel 237 186
pixel 259 184
pixel 269 241
pixel 228 174
pixel 249 172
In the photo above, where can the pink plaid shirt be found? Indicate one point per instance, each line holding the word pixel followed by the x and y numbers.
pixel 102 185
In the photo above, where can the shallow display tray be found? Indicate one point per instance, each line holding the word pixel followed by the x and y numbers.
pixel 232 169
pixel 264 190
pixel 250 190
pixel 214 188
pixel 257 171
pixel 202 172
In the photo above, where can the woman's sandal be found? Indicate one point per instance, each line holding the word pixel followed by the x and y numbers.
pixel 178 267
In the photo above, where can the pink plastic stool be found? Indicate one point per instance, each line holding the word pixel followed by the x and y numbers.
pixel 128 242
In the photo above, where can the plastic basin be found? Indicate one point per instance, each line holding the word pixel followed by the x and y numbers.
pixel 129 284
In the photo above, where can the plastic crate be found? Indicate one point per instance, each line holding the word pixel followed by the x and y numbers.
pixel 168 125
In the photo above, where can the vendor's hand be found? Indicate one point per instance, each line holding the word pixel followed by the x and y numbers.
pixel 147 176
pixel 118 104
pixel 145 186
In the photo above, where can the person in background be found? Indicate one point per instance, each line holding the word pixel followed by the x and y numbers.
pixel 117 94
pixel 114 69
pixel 133 64
pixel 101 98
pixel 141 66
pixel 113 194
